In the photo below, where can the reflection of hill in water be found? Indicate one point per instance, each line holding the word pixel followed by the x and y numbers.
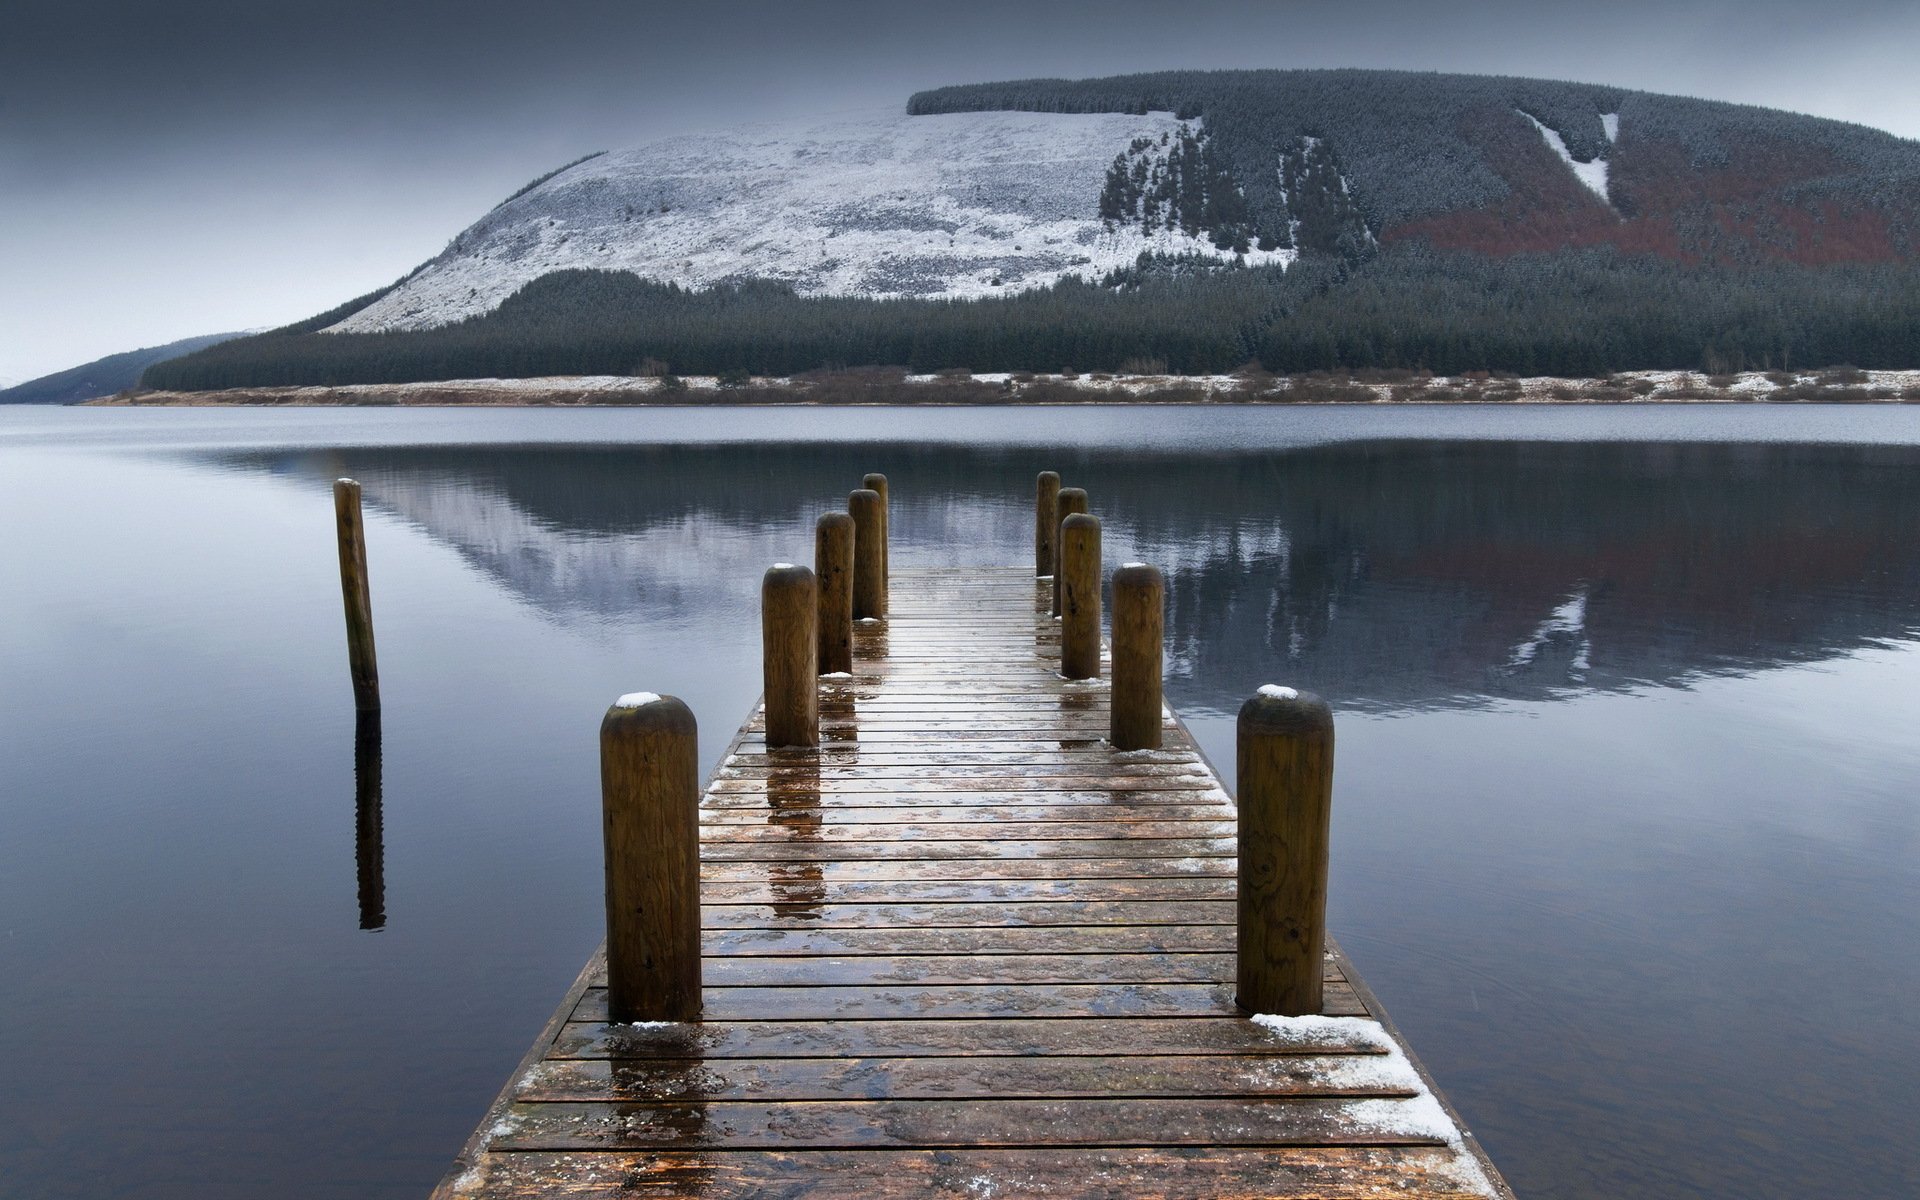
pixel 1388 574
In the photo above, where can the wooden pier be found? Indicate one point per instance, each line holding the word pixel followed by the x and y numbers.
pixel 967 949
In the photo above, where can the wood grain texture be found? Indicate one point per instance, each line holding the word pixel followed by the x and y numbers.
pixel 1137 711
pixel 869 554
pixel 357 593
pixel 650 796
pixel 1285 749
pixel 1067 502
pixel 877 484
pixel 789 641
pixel 833 569
pixel 965 948
pixel 1080 576
pixel 1046 510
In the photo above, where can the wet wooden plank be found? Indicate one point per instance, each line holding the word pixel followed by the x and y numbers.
pixel 884 870
pixel 858 1124
pixel 824 849
pixel 976 1077
pixel 809 913
pixel 850 820
pixel 925 1001
pixel 1103 1173
pixel 1031 966
pixel 857 1038
pixel 1044 939
pixel 1010 892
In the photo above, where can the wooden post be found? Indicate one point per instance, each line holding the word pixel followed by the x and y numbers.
pixel 790 644
pixel 833 567
pixel 650 810
pixel 1139 618
pixel 876 482
pixel 358 597
pixel 1080 597
pixel 1286 802
pixel 1046 516
pixel 1070 501
pixel 369 843
pixel 869 551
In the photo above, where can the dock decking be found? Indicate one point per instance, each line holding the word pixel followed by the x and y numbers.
pixel 966 949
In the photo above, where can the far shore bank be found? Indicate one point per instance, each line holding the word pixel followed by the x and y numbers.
pixel 880 387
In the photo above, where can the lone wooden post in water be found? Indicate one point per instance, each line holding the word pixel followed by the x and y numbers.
pixel 1080 597
pixel 1286 801
pixel 876 482
pixel 790 644
pixel 650 810
pixel 1046 518
pixel 354 590
pixel 833 568
pixel 1139 619
pixel 1070 501
pixel 869 553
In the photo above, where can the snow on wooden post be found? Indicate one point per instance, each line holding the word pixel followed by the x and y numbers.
pixel 650 811
pixel 833 568
pixel 1139 618
pixel 869 554
pixel 1046 516
pixel 790 645
pixel 1286 801
pixel 1069 502
pixel 358 596
pixel 1080 597
pixel 877 483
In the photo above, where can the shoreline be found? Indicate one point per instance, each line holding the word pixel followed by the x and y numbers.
pixel 886 389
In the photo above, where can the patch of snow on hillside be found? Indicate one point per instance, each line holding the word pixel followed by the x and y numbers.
pixel 952 206
pixel 1610 125
pixel 1592 174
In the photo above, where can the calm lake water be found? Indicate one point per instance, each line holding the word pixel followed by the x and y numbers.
pixel 1627 815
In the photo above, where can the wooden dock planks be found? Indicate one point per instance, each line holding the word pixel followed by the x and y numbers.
pixel 967 950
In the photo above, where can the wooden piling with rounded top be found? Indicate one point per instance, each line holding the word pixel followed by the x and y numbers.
pixel 869 553
pixel 1080 596
pixel 1139 620
pixel 833 569
pixel 1046 517
pixel 789 645
pixel 1285 755
pixel 650 809
pixel 1069 502
pixel 876 482
pixel 354 590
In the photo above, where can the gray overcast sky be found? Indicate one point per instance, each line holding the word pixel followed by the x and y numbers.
pixel 177 167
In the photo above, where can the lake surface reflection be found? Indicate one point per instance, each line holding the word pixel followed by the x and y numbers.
pixel 1626 836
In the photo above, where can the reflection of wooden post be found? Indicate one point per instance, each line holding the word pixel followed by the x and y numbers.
pixel 650 808
pixel 354 590
pixel 877 482
pixel 790 644
pixel 1286 804
pixel 369 844
pixel 833 567
pixel 869 554
pixel 1080 597
pixel 1046 516
pixel 1139 615
pixel 1070 501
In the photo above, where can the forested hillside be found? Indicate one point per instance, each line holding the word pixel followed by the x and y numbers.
pixel 1453 223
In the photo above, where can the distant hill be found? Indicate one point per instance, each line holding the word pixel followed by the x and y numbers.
pixel 1196 220
pixel 103 376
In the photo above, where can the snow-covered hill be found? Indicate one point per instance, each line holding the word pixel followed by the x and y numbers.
pixel 954 205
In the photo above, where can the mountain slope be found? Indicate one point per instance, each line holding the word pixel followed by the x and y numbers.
pixel 103 376
pixel 948 207
pixel 1309 219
